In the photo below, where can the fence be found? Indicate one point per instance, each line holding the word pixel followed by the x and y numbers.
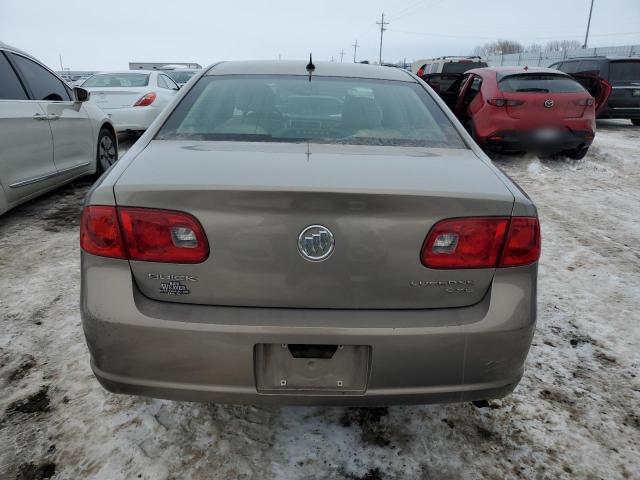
pixel 544 59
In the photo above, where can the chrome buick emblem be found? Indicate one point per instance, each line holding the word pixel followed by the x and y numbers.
pixel 548 103
pixel 316 243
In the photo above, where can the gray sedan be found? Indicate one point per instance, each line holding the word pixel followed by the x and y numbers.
pixel 48 135
pixel 308 234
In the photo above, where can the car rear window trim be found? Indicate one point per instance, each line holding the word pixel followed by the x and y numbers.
pixel 364 141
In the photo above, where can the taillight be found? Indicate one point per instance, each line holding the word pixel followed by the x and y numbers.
pixel 523 242
pixel 584 102
pixel 503 102
pixel 487 242
pixel 143 234
pixel 145 100
pixel 100 233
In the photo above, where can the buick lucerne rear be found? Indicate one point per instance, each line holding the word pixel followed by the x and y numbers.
pixel 292 238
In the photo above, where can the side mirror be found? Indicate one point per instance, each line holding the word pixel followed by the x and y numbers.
pixel 81 94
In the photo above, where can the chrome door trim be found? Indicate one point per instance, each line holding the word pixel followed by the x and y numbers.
pixel 41 178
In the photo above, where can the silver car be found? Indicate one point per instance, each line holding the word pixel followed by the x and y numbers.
pixel 318 235
pixel 48 136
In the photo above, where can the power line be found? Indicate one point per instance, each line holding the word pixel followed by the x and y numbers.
pixel 520 38
pixel 406 8
pixel 382 23
pixel 415 9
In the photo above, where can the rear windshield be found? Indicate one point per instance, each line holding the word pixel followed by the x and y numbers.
pixel 179 76
pixel 536 82
pixel 461 67
pixel 323 110
pixel 624 71
pixel 118 80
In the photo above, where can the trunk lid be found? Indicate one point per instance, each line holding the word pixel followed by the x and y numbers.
pixel 548 97
pixel 254 199
pixel 564 105
pixel 108 97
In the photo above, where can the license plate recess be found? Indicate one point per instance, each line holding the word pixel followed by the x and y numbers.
pixel 313 369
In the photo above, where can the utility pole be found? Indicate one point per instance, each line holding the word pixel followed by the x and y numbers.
pixel 382 23
pixel 355 47
pixel 341 54
pixel 60 56
pixel 586 36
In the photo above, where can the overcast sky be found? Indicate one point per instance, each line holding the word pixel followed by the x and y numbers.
pixel 109 34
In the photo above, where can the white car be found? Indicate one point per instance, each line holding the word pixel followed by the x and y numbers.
pixel 131 98
pixel 182 75
pixel 49 133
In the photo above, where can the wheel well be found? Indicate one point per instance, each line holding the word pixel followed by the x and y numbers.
pixel 109 127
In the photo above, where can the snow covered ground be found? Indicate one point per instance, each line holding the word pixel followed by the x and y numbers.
pixel 576 413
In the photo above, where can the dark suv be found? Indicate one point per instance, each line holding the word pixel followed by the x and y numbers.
pixel 619 74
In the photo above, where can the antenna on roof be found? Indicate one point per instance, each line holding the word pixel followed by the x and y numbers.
pixel 310 67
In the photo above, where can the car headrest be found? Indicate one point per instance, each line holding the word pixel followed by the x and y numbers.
pixel 360 113
pixel 256 97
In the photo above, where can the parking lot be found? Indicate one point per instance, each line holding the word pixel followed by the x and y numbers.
pixel 574 415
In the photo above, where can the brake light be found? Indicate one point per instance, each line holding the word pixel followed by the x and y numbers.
pixel 583 102
pixel 503 102
pixel 143 234
pixel 145 100
pixel 487 242
pixel 162 236
pixel 523 242
pixel 100 233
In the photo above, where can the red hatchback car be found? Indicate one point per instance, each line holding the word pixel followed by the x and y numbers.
pixel 516 109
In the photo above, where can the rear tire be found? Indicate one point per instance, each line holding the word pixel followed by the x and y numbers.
pixel 107 152
pixel 578 153
pixel 636 122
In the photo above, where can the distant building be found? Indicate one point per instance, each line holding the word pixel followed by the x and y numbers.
pixel 162 65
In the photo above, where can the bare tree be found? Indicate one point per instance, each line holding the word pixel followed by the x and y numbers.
pixel 534 48
pixel 498 47
pixel 561 45
pixel 479 51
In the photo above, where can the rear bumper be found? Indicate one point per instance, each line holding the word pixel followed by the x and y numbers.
pixel 515 140
pixel 620 112
pixel 205 353
pixel 133 118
